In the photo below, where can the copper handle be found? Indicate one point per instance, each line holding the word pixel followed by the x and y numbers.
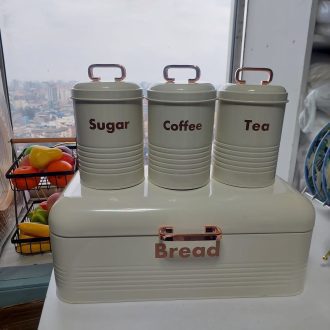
pixel 121 67
pixel 239 71
pixel 183 66
pixel 211 233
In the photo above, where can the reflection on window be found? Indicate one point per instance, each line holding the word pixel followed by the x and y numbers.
pixel 49 45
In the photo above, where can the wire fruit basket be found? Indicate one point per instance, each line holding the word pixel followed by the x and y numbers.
pixel 30 245
pixel 40 180
pixel 35 188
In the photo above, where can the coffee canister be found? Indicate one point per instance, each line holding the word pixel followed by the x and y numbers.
pixel 248 131
pixel 109 128
pixel 180 126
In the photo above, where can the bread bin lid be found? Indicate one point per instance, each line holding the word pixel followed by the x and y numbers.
pixel 98 90
pixel 143 209
pixel 245 93
pixel 191 92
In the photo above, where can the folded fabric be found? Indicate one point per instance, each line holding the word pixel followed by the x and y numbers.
pixel 323 29
pixel 317 99
pixel 323 12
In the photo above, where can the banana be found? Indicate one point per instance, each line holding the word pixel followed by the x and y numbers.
pixel 34 229
pixel 35 247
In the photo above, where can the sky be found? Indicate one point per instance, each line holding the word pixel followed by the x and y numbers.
pixel 59 39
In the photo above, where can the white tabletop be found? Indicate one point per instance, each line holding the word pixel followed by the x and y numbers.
pixel 309 310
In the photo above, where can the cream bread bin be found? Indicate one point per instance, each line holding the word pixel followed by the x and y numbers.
pixel 149 243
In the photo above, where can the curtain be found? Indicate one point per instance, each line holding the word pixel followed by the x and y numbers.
pixel 7 214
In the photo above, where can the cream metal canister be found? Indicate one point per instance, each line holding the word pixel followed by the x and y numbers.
pixel 181 117
pixel 109 128
pixel 248 132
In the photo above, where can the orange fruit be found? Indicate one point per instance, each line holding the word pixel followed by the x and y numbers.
pixel 59 166
pixel 25 183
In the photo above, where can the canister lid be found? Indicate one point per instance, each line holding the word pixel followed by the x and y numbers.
pixel 190 92
pixel 253 93
pixel 263 93
pixel 98 90
pixel 171 92
pixel 106 91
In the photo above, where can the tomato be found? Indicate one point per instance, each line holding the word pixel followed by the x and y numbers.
pixel 59 166
pixel 25 183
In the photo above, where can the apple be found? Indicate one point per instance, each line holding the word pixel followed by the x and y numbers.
pixel 65 149
pixel 52 199
pixel 68 158
pixel 43 205
pixel 25 161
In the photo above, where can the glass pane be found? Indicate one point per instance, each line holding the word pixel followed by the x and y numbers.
pixel 48 46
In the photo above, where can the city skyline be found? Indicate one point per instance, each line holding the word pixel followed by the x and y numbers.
pixel 44 109
pixel 41 109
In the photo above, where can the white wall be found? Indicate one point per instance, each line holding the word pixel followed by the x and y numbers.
pixel 279 36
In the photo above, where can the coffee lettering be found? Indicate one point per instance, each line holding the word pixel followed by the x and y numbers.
pixel 165 125
pixel 162 252
pixel 256 126
pixel 110 126
pixel 174 127
pixel 183 125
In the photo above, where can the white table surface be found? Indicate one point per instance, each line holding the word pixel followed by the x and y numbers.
pixel 309 310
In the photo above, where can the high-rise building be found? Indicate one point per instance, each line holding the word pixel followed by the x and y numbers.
pixel 53 97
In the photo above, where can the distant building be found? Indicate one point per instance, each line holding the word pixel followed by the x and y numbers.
pixel 53 97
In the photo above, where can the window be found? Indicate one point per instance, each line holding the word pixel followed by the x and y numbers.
pixel 49 45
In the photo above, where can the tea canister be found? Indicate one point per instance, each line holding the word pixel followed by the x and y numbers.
pixel 109 128
pixel 181 118
pixel 248 131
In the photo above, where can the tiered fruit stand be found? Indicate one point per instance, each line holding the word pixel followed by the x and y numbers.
pixel 38 193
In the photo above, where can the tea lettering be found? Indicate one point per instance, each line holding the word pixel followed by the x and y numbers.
pixel 256 126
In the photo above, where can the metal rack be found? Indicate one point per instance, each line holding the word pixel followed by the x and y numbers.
pixel 326 256
pixel 37 193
